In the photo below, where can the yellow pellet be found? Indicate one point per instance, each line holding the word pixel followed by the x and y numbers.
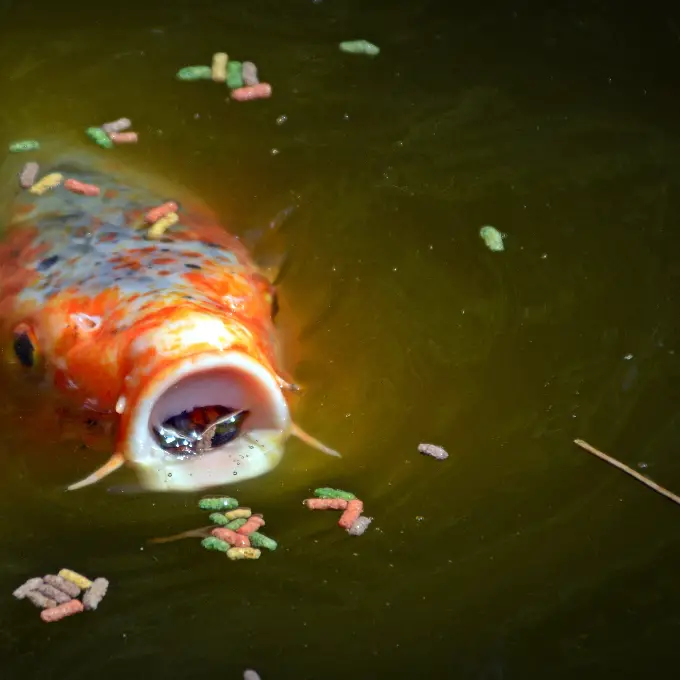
pixel 243 554
pixel 159 228
pixel 238 513
pixel 219 67
pixel 46 183
pixel 76 578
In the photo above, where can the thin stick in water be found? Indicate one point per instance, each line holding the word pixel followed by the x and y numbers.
pixel 641 478
pixel 203 532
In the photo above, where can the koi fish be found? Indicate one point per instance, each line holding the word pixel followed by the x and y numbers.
pixel 146 332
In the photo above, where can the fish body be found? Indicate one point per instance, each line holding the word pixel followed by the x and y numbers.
pixel 142 330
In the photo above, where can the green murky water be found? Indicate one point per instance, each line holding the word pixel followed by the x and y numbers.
pixel 519 557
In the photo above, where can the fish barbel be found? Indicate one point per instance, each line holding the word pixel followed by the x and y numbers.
pixel 142 330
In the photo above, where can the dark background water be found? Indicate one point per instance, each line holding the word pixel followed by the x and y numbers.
pixel 521 556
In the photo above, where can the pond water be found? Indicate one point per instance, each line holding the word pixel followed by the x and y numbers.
pixel 521 556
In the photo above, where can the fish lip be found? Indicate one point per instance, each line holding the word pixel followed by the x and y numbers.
pixel 207 378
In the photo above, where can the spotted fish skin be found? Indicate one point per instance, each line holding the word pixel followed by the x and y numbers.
pixel 81 274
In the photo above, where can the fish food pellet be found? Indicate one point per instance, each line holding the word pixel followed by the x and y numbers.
pixel 99 137
pixel 354 510
pixel 224 503
pixel 436 452
pixel 62 584
pixel 253 524
pixel 358 527
pixel 325 492
pixel 218 518
pixel 159 228
pixel 156 214
pixel 24 145
pixel 76 187
pixel 359 47
pixel 258 540
pixel 243 554
pixel 231 537
pixel 492 238
pixel 212 543
pixel 76 578
pixel 326 503
pixel 249 74
pixel 234 75
pixel 246 94
pixel 47 183
pixel 236 524
pixel 195 73
pixel 32 583
pixel 39 600
pixel 95 594
pixel 117 126
pixel 61 611
pixel 219 67
pixel 124 137
pixel 59 596
pixel 28 175
pixel 238 513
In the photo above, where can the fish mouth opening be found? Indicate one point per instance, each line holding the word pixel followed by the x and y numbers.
pixel 209 420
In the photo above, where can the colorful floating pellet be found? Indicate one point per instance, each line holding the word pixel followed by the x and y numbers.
pixel 219 67
pixel 351 514
pixel 236 524
pixel 28 175
pixel 99 137
pixel 95 593
pixel 234 75
pixel 249 74
pixel 159 227
pixel 326 503
pixel 76 578
pixel 360 47
pixel 253 524
pixel 124 137
pixel 436 452
pixel 62 584
pixel 117 126
pixel 358 527
pixel 24 145
pixel 47 183
pixel 246 94
pixel 81 188
pixel 39 600
pixel 493 238
pixel 61 611
pixel 213 543
pixel 238 513
pixel 223 503
pixel 152 216
pixel 218 518
pixel 325 492
pixel 231 537
pixel 59 596
pixel 258 540
pixel 195 73
pixel 22 591
pixel 243 554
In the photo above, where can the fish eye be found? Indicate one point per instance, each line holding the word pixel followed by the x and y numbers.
pixel 25 346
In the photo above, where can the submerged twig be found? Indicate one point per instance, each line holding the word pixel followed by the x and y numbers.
pixel 627 470
pixel 203 532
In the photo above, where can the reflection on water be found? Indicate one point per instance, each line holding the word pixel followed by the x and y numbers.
pixel 519 555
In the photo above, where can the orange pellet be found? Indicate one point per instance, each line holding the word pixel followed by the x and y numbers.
pixel 326 503
pixel 81 188
pixel 351 515
pixel 61 611
pixel 231 537
pixel 253 523
pixel 124 137
pixel 155 214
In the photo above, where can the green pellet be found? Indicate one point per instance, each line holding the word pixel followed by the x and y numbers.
pixel 24 145
pixel 360 47
pixel 493 238
pixel 219 518
pixel 258 540
pixel 99 137
pixel 195 73
pixel 234 75
pixel 213 543
pixel 224 503
pixel 236 524
pixel 334 493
